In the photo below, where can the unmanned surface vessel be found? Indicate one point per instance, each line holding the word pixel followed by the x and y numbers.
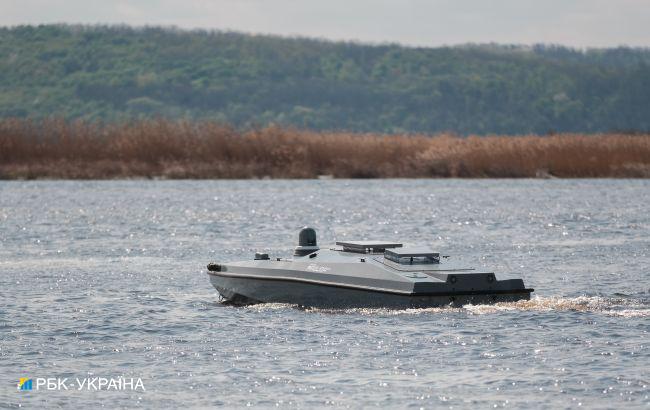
pixel 360 274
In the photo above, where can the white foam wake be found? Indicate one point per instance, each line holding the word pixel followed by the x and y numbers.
pixel 620 307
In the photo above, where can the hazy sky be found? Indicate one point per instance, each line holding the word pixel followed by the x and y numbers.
pixel 580 23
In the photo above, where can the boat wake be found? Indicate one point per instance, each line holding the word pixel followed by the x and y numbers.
pixel 625 307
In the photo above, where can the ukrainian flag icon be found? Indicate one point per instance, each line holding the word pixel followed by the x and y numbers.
pixel 25 383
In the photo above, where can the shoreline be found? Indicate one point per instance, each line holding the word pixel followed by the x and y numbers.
pixel 162 178
pixel 161 149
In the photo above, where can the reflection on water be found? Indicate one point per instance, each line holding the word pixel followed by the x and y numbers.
pixel 108 279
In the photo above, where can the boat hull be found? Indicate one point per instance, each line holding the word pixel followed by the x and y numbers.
pixel 246 290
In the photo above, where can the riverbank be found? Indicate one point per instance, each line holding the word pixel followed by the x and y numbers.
pixel 56 149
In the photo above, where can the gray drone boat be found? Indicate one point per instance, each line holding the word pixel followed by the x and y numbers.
pixel 360 274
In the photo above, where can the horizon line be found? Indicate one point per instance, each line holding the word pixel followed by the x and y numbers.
pixel 297 36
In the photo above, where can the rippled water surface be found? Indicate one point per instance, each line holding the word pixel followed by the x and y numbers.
pixel 108 279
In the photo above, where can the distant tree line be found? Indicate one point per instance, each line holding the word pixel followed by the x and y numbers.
pixel 119 73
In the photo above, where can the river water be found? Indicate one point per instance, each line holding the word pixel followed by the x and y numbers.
pixel 108 279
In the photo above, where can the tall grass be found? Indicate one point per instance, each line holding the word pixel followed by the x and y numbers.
pixel 169 149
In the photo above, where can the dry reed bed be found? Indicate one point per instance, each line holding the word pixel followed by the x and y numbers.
pixel 168 149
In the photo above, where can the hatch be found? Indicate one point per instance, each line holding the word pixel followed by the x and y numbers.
pixel 368 246
pixel 412 256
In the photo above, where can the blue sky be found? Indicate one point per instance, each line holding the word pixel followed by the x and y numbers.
pixel 578 23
